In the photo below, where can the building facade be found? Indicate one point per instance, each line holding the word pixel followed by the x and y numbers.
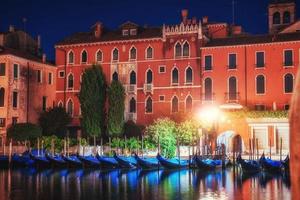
pixel 175 69
pixel 27 81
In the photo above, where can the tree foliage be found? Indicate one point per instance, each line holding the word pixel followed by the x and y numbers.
pixel 54 121
pixel 116 99
pixel 132 129
pixel 24 131
pixel 187 132
pixel 164 130
pixel 92 98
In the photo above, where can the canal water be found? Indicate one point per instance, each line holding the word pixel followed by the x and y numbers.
pixel 20 184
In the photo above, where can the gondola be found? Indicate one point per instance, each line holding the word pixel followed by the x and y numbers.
pixel 172 163
pixel 56 160
pixel 4 161
pixel 107 162
pixel 72 161
pixel 125 162
pixel 248 166
pixel 207 164
pixel 286 164
pixel 89 161
pixel 146 163
pixel 270 165
pixel 40 160
pixel 22 160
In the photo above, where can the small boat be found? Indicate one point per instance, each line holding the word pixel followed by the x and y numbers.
pixel 125 162
pixel 56 160
pixel 270 165
pixel 40 160
pixel 172 163
pixel 248 166
pixel 72 161
pixel 146 163
pixel 207 164
pixel 89 161
pixel 107 161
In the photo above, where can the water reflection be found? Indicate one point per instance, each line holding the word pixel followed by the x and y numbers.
pixel 140 184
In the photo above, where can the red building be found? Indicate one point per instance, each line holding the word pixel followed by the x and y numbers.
pixel 177 68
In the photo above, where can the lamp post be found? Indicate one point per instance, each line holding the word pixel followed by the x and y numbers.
pixel 209 116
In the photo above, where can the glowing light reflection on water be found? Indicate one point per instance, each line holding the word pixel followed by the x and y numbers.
pixel 139 184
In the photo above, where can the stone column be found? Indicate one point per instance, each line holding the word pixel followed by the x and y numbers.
pixel 295 140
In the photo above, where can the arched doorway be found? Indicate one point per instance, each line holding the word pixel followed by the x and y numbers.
pixel 232 141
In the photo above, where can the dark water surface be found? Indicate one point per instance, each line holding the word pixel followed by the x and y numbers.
pixel 138 184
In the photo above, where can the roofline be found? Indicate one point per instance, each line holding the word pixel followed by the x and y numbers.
pixel 21 57
pixel 249 44
pixel 105 42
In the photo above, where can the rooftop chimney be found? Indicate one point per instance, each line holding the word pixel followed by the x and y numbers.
pixel 44 58
pixel 98 28
pixel 184 15
pixel 11 28
pixel 205 20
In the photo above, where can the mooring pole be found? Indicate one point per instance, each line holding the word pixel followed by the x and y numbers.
pixel 142 146
pixel 38 146
pixel 257 154
pixel 280 149
pixel 250 151
pixel 270 147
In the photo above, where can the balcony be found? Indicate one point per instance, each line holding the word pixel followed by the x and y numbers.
pixel 148 88
pixel 232 97
pixel 130 117
pixel 208 98
pixel 131 89
pixel 2 122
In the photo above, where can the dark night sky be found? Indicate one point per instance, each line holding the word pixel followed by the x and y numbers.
pixel 55 19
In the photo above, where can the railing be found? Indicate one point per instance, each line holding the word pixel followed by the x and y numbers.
pixel 131 89
pixel 130 117
pixel 232 97
pixel 208 98
pixel 148 87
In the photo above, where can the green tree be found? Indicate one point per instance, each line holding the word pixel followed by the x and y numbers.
pixel 116 99
pixel 92 98
pixel 187 132
pixel 24 131
pixel 54 121
pixel 164 130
